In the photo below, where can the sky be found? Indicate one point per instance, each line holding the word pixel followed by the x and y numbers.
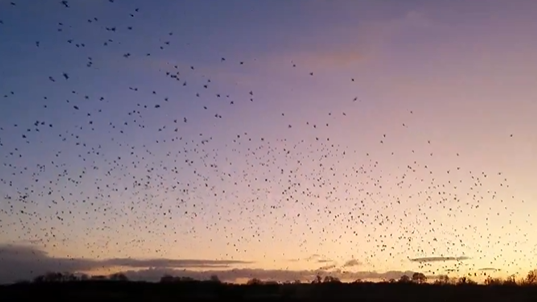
pixel 271 139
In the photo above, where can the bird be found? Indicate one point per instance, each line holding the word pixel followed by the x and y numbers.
pixel 122 158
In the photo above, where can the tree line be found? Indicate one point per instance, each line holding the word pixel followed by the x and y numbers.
pixel 414 287
pixel 416 278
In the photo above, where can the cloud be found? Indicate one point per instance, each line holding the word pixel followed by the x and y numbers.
pixel 349 46
pixel 171 263
pixel 438 259
pixel 312 257
pixel 327 267
pixel 26 262
pixel 351 263
pixel 324 261
pixel 489 269
pixel 309 259
pixel 293 260
pixel 332 57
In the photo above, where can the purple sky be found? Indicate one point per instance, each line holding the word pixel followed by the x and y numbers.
pixel 435 158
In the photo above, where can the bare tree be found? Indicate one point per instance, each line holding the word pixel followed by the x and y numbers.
pixel 531 278
pixel 318 279
pixel 442 279
pixel 511 280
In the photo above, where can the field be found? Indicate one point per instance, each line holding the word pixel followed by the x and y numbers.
pixel 213 291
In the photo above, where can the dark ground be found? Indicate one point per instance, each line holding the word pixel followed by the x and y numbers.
pixel 210 291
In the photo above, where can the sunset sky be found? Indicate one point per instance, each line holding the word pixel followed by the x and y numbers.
pixel 367 137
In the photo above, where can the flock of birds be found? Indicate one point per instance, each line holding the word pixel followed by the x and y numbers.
pixel 139 177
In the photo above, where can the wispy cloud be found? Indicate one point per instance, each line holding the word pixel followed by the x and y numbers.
pixel 324 261
pixel 312 257
pixel 351 263
pixel 26 262
pixel 171 263
pixel 439 259
pixel 327 267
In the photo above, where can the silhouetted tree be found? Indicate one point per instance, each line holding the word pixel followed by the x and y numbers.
pixel 167 279
pixel 50 277
pixel 215 279
pixel 289 290
pixel 511 280
pixel 466 281
pixel 70 277
pixel 404 279
pixel 39 279
pixel 419 278
pixel 330 279
pixel 118 277
pixel 254 281
pixel 493 281
pixel 442 279
pixel 531 278
pixel 55 277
